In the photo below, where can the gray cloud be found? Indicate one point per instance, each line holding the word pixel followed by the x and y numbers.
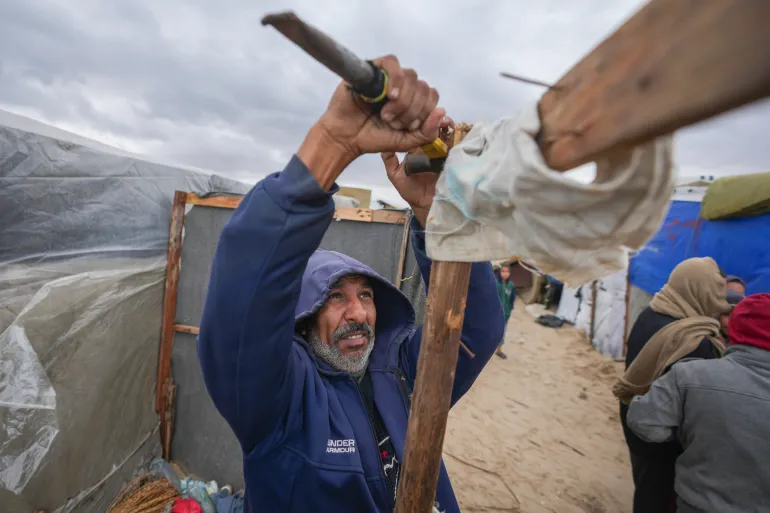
pixel 206 85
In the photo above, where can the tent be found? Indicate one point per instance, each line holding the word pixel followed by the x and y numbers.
pixel 83 243
pixel 84 252
pixel 740 245
pixel 599 309
pixel 607 309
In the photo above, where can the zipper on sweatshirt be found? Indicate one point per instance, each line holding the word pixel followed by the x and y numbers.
pixel 391 500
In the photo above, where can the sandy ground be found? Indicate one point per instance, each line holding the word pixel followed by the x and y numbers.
pixel 540 432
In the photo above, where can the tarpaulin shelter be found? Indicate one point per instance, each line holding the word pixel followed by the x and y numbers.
pixel 84 252
pixel 740 245
pixel 83 242
pixel 607 309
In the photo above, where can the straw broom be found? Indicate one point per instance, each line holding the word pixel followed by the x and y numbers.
pixel 145 494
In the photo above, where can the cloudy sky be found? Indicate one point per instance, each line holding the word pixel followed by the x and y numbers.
pixel 202 83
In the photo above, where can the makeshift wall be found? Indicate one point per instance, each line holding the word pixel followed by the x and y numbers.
pixel 603 323
pixel 584 315
pixel 83 239
pixel 638 300
pixel 609 318
pixel 570 304
pixel 202 441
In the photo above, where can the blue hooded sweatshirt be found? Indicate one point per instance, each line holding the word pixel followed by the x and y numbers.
pixel 308 442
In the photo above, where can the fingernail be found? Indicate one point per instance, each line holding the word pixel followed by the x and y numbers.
pixel 414 125
pixel 394 93
pixel 388 116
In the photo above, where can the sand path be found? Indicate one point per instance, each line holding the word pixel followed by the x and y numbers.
pixel 539 432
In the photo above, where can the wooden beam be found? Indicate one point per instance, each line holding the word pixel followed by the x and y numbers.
pixel 436 366
pixel 389 216
pixel 353 214
pixel 673 64
pixel 594 295
pixel 184 328
pixel 627 312
pixel 164 383
pixel 231 202
pixel 341 213
pixel 167 418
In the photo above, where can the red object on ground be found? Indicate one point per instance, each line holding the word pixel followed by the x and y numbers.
pixel 186 506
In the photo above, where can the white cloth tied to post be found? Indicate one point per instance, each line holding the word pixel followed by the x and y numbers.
pixel 498 199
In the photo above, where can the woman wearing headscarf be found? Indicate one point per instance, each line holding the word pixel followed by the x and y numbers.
pixel 720 410
pixel 681 322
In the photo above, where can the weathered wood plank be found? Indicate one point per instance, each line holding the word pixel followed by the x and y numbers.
pixel 444 314
pixel 165 386
pixel 436 366
pixel 673 64
pixel 345 213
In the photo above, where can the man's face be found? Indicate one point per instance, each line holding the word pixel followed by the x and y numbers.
pixel 505 273
pixel 343 334
pixel 736 286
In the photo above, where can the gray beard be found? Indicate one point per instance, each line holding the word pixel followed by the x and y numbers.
pixel 331 354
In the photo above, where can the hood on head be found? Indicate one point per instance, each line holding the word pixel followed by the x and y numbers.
pixel 325 268
pixel 699 285
pixel 750 322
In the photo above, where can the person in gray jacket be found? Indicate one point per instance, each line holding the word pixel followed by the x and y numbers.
pixel 719 410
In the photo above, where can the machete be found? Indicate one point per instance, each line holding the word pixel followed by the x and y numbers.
pixel 363 77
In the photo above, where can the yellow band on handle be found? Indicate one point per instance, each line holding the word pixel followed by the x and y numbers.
pixel 384 92
pixel 436 149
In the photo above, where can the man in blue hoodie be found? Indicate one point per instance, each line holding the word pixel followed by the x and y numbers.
pixel 310 355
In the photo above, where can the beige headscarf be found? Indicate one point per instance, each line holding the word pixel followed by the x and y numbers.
pixel 696 294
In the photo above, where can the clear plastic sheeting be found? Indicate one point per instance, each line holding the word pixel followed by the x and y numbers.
pixel 62 200
pixel 83 242
pixel 28 421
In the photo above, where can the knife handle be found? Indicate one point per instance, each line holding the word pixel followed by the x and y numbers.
pixel 376 93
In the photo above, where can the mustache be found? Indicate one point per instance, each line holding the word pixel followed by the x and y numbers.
pixel 352 328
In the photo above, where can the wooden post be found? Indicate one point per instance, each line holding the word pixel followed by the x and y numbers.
pixel 444 315
pixel 164 392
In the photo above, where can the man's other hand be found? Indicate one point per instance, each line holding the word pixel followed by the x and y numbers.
pixel 418 189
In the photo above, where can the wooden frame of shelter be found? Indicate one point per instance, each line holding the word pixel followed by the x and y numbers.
pixel 165 387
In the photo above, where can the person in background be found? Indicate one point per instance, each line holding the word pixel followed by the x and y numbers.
pixel 736 284
pixel 681 322
pixel 719 410
pixel 507 292
pixel 553 291
pixel 733 298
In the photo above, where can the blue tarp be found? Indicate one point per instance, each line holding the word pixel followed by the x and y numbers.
pixel 740 247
